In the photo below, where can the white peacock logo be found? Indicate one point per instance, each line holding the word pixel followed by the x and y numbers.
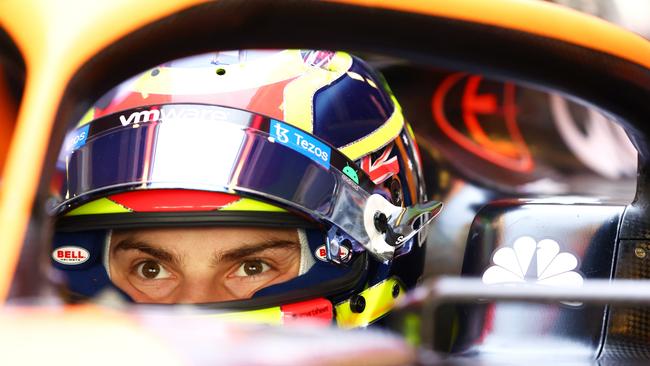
pixel 529 261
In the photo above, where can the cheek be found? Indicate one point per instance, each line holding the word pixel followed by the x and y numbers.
pixel 246 287
pixel 239 289
pixel 286 276
pixel 137 296
pixel 163 293
pixel 121 281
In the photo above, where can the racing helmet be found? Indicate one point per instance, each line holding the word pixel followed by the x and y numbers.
pixel 302 140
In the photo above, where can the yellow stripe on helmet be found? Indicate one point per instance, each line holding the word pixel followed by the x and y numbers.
pixel 299 94
pixel 378 138
pixel 379 301
pixel 87 118
pixel 247 204
pixel 271 316
pixel 99 206
pixel 106 206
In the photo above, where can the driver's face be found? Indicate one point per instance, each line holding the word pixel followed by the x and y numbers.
pixel 199 265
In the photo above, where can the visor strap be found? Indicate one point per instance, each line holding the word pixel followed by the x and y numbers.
pixel 106 254
pixel 306 258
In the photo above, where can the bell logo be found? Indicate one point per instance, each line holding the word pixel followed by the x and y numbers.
pixel 344 253
pixel 529 261
pixel 70 255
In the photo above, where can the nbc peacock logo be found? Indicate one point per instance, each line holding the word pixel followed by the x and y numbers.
pixel 529 261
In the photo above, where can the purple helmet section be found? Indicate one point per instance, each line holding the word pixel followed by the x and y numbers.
pixel 351 107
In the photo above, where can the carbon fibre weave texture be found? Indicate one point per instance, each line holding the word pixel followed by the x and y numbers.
pixel 628 328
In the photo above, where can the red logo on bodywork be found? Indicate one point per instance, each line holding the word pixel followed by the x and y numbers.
pixel 509 149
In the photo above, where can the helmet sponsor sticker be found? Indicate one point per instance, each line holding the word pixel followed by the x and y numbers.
pixel 381 168
pixel 79 138
pixel 301 142
pixel 70 255
pixel 76 139
pixel 172 113
pixel 351 173
pixel 318 310
pixel 345 253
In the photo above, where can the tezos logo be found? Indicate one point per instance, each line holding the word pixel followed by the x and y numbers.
pixel 529 261
pixel 70 255
pixel 321 253
pixel 301 142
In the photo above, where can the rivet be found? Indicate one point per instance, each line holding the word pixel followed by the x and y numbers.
pixel 640 252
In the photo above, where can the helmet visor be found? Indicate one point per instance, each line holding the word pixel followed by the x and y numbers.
pixel 218 149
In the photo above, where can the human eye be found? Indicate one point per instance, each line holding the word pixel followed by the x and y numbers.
pixel 151 270
pixel 251 268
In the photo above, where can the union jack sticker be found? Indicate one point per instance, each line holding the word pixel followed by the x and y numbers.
pixel 381 168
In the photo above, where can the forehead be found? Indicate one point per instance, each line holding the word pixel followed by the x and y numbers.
pixel 205 236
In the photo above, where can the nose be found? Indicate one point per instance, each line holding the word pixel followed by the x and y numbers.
pixel 201 289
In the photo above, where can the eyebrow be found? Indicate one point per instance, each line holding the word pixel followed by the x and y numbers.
pixel 160 254
pixel 229 255
pixel 240 253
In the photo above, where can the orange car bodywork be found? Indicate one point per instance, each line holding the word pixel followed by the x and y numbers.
pixel 55 39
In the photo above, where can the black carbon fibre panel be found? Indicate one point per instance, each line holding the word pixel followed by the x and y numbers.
pixel 573 332
pixel 636 221
pixel 628 330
